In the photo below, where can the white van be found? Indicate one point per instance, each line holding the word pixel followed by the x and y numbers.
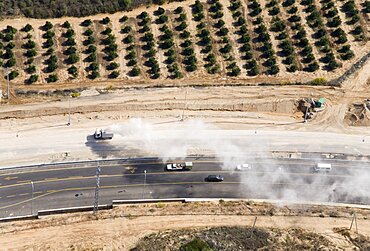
pixel 322 167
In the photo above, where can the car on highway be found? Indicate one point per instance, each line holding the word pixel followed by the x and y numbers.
pixel 214 178
pixel 322 167
pixel 179 166
pixel 243 167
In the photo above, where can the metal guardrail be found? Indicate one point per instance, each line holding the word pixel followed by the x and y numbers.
pixel 72 210
pixel 118 202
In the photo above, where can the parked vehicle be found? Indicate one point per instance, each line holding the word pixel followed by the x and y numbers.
pixel 179 166
pixel 322 167
pixel 214 178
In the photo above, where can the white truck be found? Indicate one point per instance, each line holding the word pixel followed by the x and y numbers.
pixel 179 166
pixel 322 167
pixel 102 135
pixel 243 167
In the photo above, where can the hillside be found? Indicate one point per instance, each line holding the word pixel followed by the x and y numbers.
pixel 264 41
pixel 223 225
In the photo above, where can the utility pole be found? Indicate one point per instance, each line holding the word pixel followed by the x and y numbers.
pixel 8 84
pixel 32 190
pixel 144 183
pixel 96 200
pixel 254 224
pixel 69 111
pixel 183 109
pixel 354 219
pixel 305 115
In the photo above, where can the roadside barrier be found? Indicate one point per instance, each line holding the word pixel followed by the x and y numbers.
pixel 116 203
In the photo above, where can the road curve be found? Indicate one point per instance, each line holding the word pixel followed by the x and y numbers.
pixel 25 190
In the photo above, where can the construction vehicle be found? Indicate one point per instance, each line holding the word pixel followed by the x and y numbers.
pixel 102 135
pixel 179 166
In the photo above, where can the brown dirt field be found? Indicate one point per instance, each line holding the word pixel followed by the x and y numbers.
pixel 122 227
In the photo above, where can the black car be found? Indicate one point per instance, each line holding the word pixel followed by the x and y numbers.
pixel 214 178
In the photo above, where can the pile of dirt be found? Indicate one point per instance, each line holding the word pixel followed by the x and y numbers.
pixel 360 241
pixel 358 114
pixel 237 238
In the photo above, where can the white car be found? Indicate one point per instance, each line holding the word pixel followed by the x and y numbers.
pixel 243 167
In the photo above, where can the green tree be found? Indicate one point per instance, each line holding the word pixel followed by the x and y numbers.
pixel 86 22
pixel 49 43
pixel 105 20
pixel 31 69
pixel 52 78
pixel 161 19
pixel 94 75
pixel 126 29
pixel 123 19
pixel 135 72
pixel 91 57
pixel 10 63
pixel 70 50
pixel 13 74
pixel 29 44
pixel 47 26
pixel 73 58
pixel 114 74
pixel 112 66
pixel 73 71
pixel 69 33
pixel 88 32
pixel 27 28
pixel 30 53
pixel 32 79
pixel 93 67
pixel 66 25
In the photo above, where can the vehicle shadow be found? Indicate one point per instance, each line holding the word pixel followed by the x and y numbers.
pixel 104 148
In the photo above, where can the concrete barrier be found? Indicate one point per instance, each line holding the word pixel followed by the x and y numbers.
pixel 19 218
pixel 117 202
pixel 182 200
pixel 72 210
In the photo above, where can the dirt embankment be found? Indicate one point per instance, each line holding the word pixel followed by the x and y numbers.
pixel 248 238
pixel 122 227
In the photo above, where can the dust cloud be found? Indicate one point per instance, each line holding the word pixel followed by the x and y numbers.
pixel 268 178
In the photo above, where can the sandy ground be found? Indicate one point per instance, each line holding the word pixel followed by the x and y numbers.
pixel 37 132
pixel 121 228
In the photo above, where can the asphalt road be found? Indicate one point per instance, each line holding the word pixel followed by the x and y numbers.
pixel 26 190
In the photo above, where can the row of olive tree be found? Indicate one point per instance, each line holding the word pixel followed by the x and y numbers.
pixel 128 40
pixel 91 51
pixel 7 45
pixel 204 39
pixel 149 45
pixel 244 40
pixel 30 53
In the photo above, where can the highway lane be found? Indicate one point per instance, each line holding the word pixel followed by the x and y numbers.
pixel 55 187
pixel 155 165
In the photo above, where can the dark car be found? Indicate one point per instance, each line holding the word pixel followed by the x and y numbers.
pixel 214 178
